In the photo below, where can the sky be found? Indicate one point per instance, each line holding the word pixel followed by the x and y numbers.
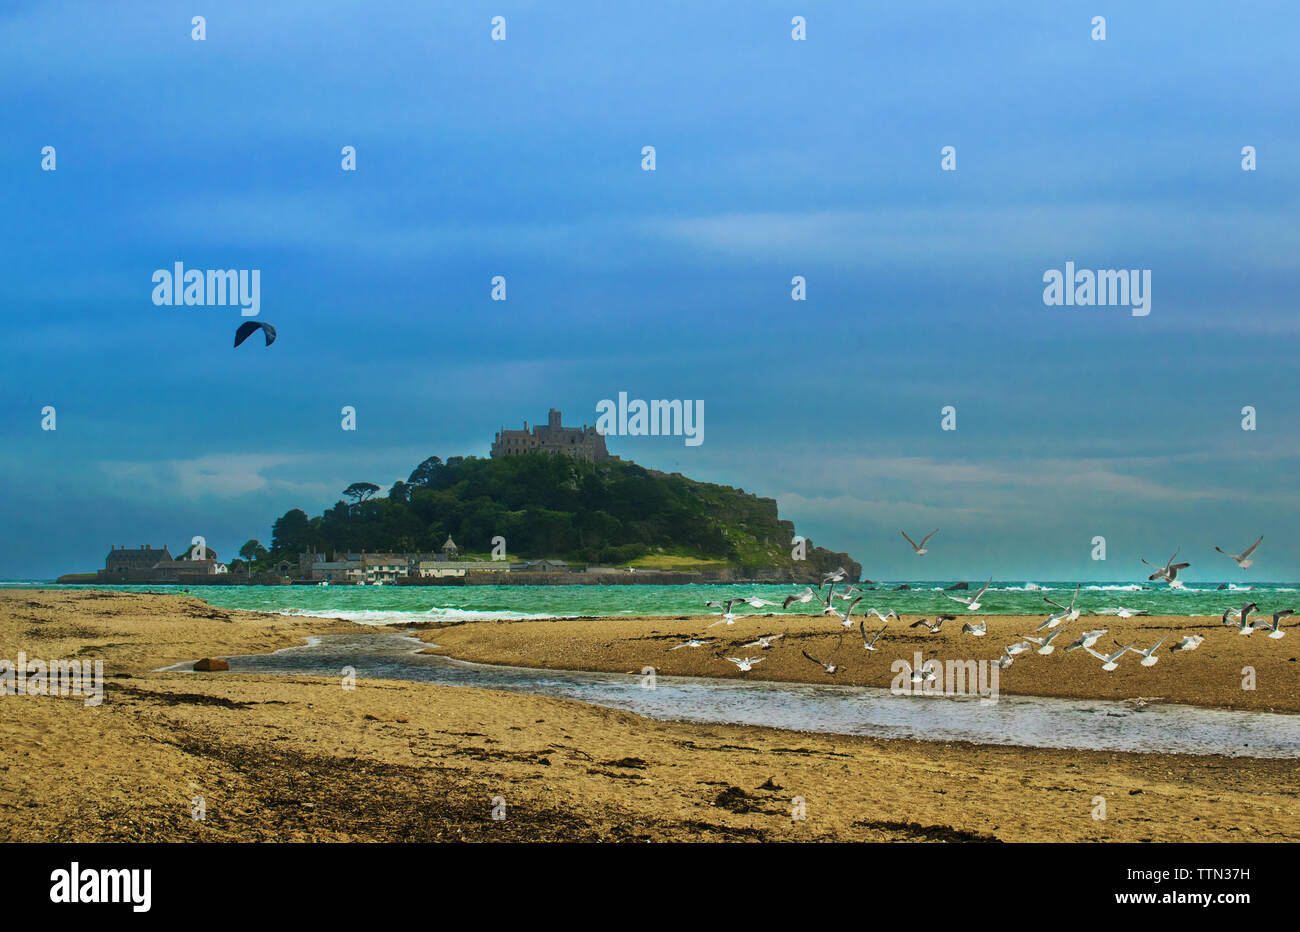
pixel 774 158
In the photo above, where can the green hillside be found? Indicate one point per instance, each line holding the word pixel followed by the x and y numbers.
pixel 611 513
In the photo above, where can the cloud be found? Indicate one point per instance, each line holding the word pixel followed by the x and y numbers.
pixel 1262 238
pixel 220 475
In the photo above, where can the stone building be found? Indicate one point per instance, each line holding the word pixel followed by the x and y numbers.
pixel 581 443
pixel 147 566
pixel 121 562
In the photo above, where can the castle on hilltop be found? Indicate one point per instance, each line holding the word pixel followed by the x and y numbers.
pixel 581 443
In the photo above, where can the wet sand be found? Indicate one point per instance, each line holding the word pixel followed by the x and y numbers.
pixel 1211 675
pixel 302 758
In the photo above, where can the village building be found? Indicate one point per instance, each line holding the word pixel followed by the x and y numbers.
pixel 147 566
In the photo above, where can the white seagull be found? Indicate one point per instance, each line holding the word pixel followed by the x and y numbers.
pixel 935 626
pixel 1243 559
pixel 1191 642
pixel 978 630
pixel 1087 639
pixel 843 616
pixel 755 602
pixel 1071 613
pixel 1054 620
pixel 745 664
pixel 1122 612
pixel 1004 661
pixel 1045 644
pixel 1013 649
pixel 919 549
pixel 1243 617
pixel 1168 572
pixel 1149 657
pixel 925 674
pixel 726 605
pixel 765 642
pixel 885 617
pixel 869 644
pixel 973 603
pixel 1276 627
pixel 829 666
pixel 693 642
pixel 1108 663
pixel 839 575
pixel 806 596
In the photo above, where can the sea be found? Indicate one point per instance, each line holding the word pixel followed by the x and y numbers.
pixel 381 605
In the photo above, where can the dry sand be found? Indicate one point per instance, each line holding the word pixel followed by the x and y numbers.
pixel 291 758
pixel 1212 675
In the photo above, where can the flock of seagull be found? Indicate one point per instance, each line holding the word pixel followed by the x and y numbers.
pixel 1041 642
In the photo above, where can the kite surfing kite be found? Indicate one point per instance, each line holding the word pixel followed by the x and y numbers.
pixel 249 327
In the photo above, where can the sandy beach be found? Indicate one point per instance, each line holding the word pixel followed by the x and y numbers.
pixel 301 758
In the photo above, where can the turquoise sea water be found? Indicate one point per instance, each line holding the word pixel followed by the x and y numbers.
pixel 386 604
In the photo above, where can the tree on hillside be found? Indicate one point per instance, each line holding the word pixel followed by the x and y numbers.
pixel 360 491
pixel 422 475
pixel 292 533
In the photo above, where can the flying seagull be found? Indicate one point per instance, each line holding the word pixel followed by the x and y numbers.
pixel 978 630
pixel 1087 639
pixel 693 642
pixel 925 673
pixel 249 327
pixel 1054 620
pixel 1072 613
pixel 844 618
pixel 745 664
pixel 830 594
pixel 869 644
pixel 1243 559
pixel 839 575
pixel 1168 572
pixel 1108 663
pixel 1045 643
pixel 973 602
pixel 765 642
pixel 919 549
pixel 1243 616
pixel 1191 642
pixel 805 596
pixel 1276 627
pixel 885 617
pixel 1149 657
pixel 1004 661
pixel 828 666
pixel 1014 649
pixel 932 627
pixel 1122 612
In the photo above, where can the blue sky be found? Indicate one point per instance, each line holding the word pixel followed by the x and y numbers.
pixel 775 158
